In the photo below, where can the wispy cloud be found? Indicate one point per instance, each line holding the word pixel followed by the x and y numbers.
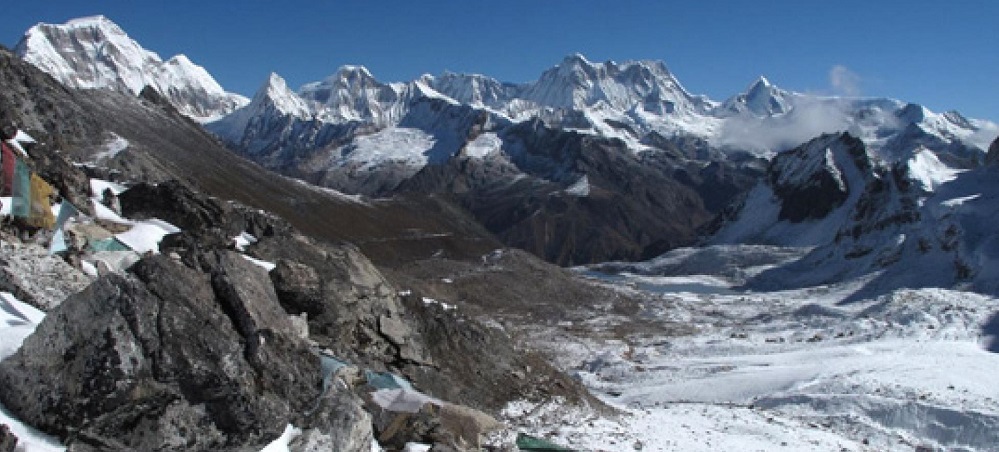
pixel 808 119
pixel 844 81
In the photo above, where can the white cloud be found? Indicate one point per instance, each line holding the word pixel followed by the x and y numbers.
pixel 808 119
pixel 844 81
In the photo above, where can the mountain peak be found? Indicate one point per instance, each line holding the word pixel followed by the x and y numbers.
pixel 273 79
pixel 275 92
pixel 89 21
pixel 181 60
pixel 575 59
pixel 577 83
pixel 761 82
pixel 762 98
pixel 94 52
pixel 354 71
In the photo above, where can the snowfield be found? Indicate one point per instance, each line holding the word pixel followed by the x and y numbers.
pixel 785 370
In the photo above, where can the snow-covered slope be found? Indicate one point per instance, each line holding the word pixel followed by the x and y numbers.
pixel 910 219
pixel 811 369
pixel 94 52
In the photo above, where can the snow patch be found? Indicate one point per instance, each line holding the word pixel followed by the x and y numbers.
pixel 243 240
pixel 260 263
pixel 395 144
pixel 97 187
pixel 580 188
pixel 446 306
pixel 102 212
pixel 282 442
pixel 111 149
pixel 145 235
pixel 928 171
pixel 23 137
pixel 483 145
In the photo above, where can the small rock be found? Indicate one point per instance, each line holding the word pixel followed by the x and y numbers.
pixel 8 442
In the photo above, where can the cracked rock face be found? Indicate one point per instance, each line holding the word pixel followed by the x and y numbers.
pixel 166 358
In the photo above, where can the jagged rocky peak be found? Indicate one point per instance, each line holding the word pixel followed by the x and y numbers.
pixel 275 92
pixel 761 98
pixel 273 104
pixel 94 52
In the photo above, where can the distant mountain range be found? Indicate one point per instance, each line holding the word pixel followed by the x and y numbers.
pixel 593 161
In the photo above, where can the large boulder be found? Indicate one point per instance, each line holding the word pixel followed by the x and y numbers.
pixel 352 309
pixel 167 358
pixel 176 203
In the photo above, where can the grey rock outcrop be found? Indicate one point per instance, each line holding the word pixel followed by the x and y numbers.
pixel 8 442
pixel 340 423
pixel 43 281
pixel 167 358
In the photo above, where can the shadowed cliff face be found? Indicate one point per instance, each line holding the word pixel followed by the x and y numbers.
pixel 573 199
pixel 993 156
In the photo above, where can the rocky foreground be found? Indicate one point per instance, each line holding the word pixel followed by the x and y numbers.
pixel 199 347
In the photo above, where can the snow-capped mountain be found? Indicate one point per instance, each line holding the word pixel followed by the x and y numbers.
pixel 94 52
pixel 640 102
pixel 761 99
pixel 353 94
pixel 647 86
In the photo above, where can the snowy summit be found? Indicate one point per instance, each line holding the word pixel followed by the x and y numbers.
pixel 94 52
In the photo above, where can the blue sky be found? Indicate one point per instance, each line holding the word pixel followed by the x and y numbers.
pixel 944 55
